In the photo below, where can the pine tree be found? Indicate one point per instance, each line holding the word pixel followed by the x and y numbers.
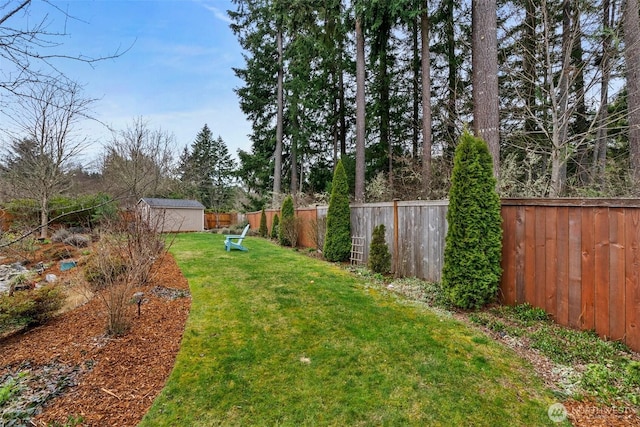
pixel 471 272
pixel 379 255
pixel 337 243
pixel 209 168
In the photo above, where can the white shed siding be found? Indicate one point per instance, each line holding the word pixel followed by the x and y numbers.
pixel 178 219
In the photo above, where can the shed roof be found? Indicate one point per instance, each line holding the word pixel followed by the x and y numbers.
pixel 172 203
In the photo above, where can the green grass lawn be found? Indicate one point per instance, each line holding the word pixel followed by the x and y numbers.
pixel 277 338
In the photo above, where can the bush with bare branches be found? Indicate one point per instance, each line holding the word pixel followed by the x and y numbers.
pixel 123 260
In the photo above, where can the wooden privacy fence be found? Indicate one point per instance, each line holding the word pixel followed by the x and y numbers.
pixel 415 232
pixel 579 260
pixel 311 224
pixel 218 220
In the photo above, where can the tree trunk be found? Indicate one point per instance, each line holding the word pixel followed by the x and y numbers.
pixel 600 145
pixel 426 102
pixel 631 30
pixel 415 92
pixel 452 79
pixel 360 114
pixel 529 66
pixel 44 216
pixel 486 115
pixel 385 119
pixel 295 132
pixel 277 172
pixel 561 111
pixel 343 114
pixel 581 124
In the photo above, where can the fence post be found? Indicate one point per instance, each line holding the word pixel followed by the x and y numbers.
pixel 396 249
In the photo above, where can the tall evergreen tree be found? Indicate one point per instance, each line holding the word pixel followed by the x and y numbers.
pixel 210 169
pixel 253 24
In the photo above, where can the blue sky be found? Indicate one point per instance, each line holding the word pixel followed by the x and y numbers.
pixel 177 73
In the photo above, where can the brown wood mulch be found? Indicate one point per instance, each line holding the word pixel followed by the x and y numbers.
pixel 117 378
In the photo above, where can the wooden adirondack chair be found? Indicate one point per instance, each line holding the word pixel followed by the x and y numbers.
pixel 230 244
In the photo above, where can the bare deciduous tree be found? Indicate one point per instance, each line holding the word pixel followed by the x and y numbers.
pixel 137 161
pixel 557 130
pixel 45 145
pixel 30 48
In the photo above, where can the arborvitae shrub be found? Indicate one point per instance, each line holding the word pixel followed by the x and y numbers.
pixel 337 242
pixel 263 231
pixel 287 222
pixel 275 227
pixel 473 249
pixel 379 255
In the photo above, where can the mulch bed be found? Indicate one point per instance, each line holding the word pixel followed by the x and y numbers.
pixel 111 381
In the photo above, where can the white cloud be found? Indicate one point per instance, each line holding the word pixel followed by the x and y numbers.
pixel 219 14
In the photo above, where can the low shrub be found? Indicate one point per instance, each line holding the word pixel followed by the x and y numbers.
pixel 77 240
pixel 101 272
pixel 15 245
pixel 60 235
pixel 379 255
pixel 30 308
pixel 57 254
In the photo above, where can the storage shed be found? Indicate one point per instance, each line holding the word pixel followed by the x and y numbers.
pixel 172 215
